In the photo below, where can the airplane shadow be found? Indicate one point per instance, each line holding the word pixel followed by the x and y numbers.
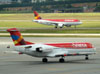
pixel 77 61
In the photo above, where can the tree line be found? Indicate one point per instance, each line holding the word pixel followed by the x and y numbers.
pixel 50 4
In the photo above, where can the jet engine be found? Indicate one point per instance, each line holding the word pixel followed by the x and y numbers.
pixel 40 49
pixel 60 25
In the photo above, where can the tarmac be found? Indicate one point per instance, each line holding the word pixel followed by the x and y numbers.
pixel 11 63
pixel 54 34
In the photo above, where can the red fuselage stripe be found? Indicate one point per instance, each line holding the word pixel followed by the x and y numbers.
pixel 62 20
pixel 72 45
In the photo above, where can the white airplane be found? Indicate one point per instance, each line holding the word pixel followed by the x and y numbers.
pixel 56 22
pixel 50 49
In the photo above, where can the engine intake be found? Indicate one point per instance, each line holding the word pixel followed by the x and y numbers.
pixel 39 49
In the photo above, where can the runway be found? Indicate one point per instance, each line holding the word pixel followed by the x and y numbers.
pixel 23 64
pixel 50 28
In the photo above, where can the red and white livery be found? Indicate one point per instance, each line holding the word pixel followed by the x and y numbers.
pixel 50 49
pixel 56 22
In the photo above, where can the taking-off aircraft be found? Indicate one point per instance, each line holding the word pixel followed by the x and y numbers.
pixel 50 49
pixel 56 22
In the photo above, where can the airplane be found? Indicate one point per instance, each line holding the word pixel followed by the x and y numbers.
pixel 56 22
pixel 50 50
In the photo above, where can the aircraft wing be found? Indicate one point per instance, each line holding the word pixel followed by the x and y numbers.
pixel 62 52
pixel 58 53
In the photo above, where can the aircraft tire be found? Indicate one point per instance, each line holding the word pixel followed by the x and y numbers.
pixel 61 27
pixel 86 58
pixel 61 60
pixel 55 26
pixel 44 60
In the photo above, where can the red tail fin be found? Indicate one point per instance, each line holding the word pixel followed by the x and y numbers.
pixel 37 16
pixel 17 37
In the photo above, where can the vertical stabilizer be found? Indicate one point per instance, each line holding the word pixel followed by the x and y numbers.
pixel 37 16
pixel 17 37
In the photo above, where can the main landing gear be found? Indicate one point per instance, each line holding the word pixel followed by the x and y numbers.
pixel 75 26
pixel 44 60
pixel 61 60
pixel 86 58
pixel 56 26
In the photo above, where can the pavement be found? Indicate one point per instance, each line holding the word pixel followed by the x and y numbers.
pixel 50 28
pixel 52 34
pixel 24 64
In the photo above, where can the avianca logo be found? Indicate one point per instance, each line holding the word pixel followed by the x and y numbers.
pixel 79 45
pixel 69 20
pixel 16 39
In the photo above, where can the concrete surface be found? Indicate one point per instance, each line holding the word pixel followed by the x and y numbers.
pixel 23 64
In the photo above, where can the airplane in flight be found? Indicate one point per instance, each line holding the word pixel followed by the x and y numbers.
pixel 56 22
pixel 50 50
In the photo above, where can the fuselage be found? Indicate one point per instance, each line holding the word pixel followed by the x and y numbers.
pixel 56 50
pixel 49 49
pixel 56 22
pixel 63 22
